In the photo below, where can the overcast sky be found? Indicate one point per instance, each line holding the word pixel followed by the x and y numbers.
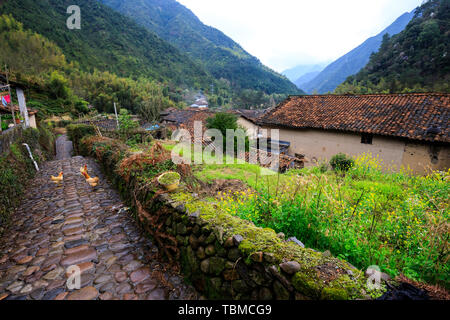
pixel 286 33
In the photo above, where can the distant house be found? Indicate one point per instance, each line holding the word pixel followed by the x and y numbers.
pixel 402 129
pixel 31 113
pixel 200 102
pixel 184 119
pixel 248 119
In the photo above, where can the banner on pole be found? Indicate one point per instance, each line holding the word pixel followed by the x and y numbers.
pixel 6 99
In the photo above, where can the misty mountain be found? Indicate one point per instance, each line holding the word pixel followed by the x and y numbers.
pixel 299 71
pixel 217 53
pixel 307 77
pixel 351 63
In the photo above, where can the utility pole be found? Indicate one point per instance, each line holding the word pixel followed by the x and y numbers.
pixel 10 96
pixel 117 118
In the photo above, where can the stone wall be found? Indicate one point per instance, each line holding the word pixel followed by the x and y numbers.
pixel 322 145
pixel 223 256
pixel 224 261
pixel 8 137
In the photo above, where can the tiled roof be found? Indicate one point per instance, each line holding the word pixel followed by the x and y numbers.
pixel 7 109
pixel 184 119
pixel 251 115
pixel 421 116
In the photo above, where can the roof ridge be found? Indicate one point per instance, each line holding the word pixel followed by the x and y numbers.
pixel 404 115
pixel 372 94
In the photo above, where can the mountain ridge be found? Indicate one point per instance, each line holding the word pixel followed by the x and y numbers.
pixel 414 60
pixel 220 55
pixel 103 44
pixel 298 71
pixel 353 61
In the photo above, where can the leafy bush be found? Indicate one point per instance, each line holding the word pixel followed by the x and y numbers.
pixel 340 162
pixel 4 125
pixel 81 106
pixel 125 121
pixel 223 121
pixel 58 86
pixel 76 132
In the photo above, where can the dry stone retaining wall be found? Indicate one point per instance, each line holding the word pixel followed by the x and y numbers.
pixel 8 137
pixel 225 266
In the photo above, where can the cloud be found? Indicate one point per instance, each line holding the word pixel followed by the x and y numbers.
pixel 285 33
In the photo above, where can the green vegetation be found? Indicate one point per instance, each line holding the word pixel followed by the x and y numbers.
pixel 223 121
pixel 134 175
pixel 107 41
pixel 368 217
pixel 55 86
pixel 415 60
pixel 17 168
pixel 341 162
pixel 223 58
pixel 66 70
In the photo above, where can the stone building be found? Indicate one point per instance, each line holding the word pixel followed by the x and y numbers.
pixel 409 130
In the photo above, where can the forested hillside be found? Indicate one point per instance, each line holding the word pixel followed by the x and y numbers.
pixel 55 86
pixel 351 63
pixel 415 60
pixel 107 41
pixel 219 54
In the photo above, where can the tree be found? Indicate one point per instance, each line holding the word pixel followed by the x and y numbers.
pixel 125 121
pixel 57 86
pixel 222 121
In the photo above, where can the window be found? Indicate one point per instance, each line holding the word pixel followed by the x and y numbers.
pixel 434 154
pixel 366 138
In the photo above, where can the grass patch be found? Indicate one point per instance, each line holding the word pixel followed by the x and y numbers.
pixel 397 221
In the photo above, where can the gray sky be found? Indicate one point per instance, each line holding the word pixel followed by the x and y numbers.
pixel 286 33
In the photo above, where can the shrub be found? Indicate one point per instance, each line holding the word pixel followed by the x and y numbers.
pixel 77 131
pixel 222 121
pixel 57 86
pixel 340 162
pixel 323 167
pixel 63 123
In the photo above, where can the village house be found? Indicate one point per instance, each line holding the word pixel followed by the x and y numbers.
pixel 184 118
pixel 31 113
pixel 409 130
pixel 248 120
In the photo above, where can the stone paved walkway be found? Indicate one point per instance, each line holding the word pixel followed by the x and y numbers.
pixel 64 147
pixel 58 226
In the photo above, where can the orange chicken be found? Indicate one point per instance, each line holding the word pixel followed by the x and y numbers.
pixel 84 169
pixel 92 181
pixel 57 179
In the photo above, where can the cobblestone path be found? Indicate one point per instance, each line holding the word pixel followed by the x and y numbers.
pixel 58 226
pixel 64 147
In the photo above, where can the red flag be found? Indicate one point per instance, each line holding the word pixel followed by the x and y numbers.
pixel 6 100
